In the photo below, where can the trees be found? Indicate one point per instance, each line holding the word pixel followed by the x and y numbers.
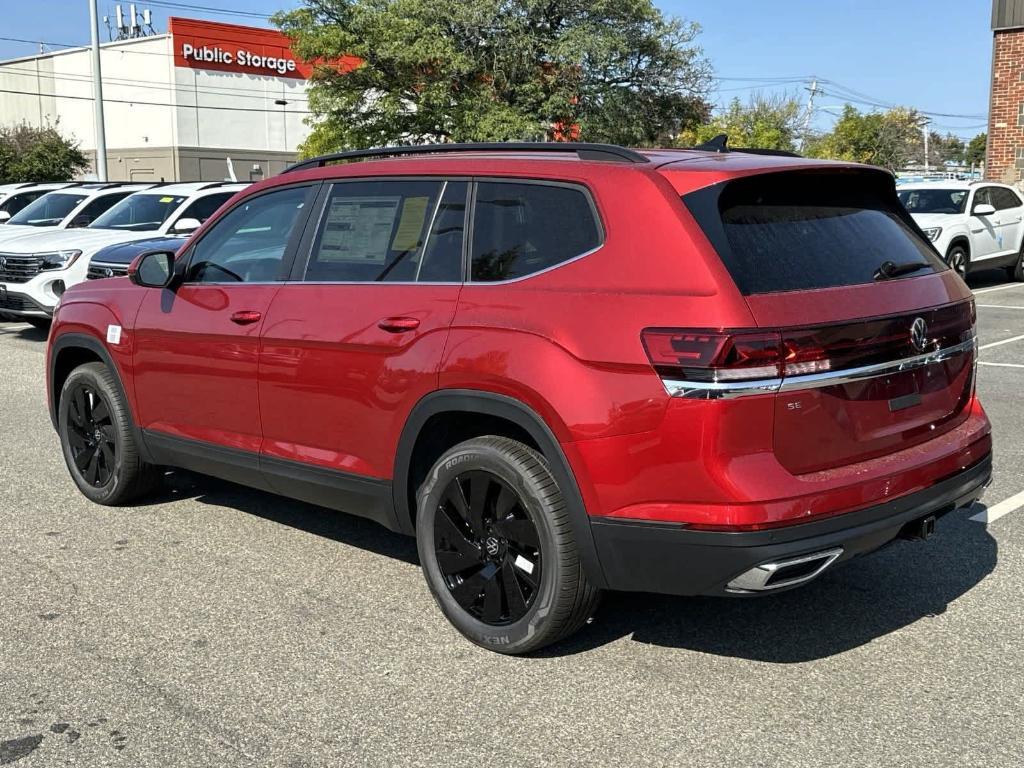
pixel 887 139
pixel 28 153
pixel 764 122
pixel 975 154
pixel 479 70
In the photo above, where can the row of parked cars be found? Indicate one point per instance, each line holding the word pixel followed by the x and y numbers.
pixel 55 235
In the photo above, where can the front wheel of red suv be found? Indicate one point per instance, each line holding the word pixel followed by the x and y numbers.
pixel 98 441
pixel 497 548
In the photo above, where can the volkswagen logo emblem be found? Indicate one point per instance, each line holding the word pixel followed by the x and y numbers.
pixel 108 272
pixel 3 263
pixel 492 545
pixel 919 334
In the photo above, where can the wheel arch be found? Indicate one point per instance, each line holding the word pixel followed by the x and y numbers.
pixel 526 425
pixel 959 239
pixel 67 352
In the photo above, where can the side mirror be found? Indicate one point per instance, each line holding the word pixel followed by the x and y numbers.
pixel 183 226
pixel 4 216
pixel 153 269
pixel 983 209
pixel 80 221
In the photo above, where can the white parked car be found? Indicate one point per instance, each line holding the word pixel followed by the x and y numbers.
pixel 67 208
pixel 36 269
pixel 973 225
pixel 14 197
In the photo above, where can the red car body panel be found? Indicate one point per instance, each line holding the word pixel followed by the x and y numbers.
pixel 336 389
pixel 319 382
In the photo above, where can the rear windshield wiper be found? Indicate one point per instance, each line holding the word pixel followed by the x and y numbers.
pixel 889 270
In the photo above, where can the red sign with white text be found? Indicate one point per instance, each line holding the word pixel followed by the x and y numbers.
pixel 234 48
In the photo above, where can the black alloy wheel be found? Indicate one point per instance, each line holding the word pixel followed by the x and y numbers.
pixel 496 543
pixel 98 438
pixel 487 548
pixel 91 435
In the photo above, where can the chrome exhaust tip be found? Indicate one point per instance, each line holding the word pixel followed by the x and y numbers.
pixel 784 573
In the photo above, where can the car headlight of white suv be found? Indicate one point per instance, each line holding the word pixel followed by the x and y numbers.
pixel 932 233
pixel 57 259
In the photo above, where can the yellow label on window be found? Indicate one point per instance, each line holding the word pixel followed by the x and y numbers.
pixel 407 236
pixel 166 199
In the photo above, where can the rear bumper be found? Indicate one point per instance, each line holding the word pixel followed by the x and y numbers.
pixel 670 558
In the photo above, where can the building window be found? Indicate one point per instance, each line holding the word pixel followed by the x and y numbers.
pixel 1020 115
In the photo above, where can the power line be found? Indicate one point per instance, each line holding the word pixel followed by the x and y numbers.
pixel 207 9
pixel 213 90
pixel 136 103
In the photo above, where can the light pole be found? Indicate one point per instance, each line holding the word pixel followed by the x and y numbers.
pixel 97 94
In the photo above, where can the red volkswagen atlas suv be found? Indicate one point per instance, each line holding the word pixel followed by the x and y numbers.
pixel 564 368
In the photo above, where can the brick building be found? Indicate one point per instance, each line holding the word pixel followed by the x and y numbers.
pixel 1005 156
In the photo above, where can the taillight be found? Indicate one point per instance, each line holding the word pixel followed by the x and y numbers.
pixel 713 356
pixel 711 360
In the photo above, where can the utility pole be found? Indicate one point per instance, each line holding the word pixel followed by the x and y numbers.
pixel 925 122
pixel 97 94
pixel 808 113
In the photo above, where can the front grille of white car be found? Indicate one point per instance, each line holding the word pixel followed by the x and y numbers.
pixel 18 267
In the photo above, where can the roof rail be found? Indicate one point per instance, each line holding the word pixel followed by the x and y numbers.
pixel 720 143
pixel 213 184
pixel 603 152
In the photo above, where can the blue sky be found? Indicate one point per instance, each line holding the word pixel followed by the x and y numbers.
pixel 930 54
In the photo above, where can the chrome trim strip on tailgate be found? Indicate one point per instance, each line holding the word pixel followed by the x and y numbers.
pixel 715 390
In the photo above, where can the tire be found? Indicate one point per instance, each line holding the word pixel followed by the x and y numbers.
pixel 1016 270
pixel 497 548
pixel 98 440
pixel 959 259
pixel 42 323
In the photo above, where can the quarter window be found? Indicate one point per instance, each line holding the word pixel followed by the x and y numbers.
pixel 391 231
pixel 248 243
pixel 521 228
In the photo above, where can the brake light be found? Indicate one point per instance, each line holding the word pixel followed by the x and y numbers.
pixel 712 356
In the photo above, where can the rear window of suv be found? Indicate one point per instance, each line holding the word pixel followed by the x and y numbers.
pixel 795 231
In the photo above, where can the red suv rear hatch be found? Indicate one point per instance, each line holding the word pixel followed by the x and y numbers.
pixel 870 337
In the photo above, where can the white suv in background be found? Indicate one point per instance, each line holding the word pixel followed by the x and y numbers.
pixel 35 270
pixel 67 208
pixel 973 225
pixel 14 197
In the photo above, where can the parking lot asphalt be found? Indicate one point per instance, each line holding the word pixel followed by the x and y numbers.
pixel 219 626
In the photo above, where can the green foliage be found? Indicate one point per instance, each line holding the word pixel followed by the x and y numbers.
pixel 28 153
pixel 975 153
pixel 492 70
pixel 886 139
pixel 765 122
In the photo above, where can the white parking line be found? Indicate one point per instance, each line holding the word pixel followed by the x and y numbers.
pixel 998 288
pixel 997 306
pixel 1000 343
pixel 1000 365
pixel 1001 509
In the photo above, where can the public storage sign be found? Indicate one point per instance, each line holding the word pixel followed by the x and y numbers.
pixel 234 48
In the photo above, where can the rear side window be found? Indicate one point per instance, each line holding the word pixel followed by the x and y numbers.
pixel 205 206
pixel 808 230
pixel 523 228
pixel 391 231
pixel 1003 198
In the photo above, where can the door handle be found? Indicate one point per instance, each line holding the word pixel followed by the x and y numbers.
pixel 246 317
pixel 398 324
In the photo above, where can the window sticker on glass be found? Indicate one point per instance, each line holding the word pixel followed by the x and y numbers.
pixel 410 227
pixel 166 199
pixel 358 229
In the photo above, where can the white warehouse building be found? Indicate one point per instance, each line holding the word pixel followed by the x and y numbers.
pixel 178 105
